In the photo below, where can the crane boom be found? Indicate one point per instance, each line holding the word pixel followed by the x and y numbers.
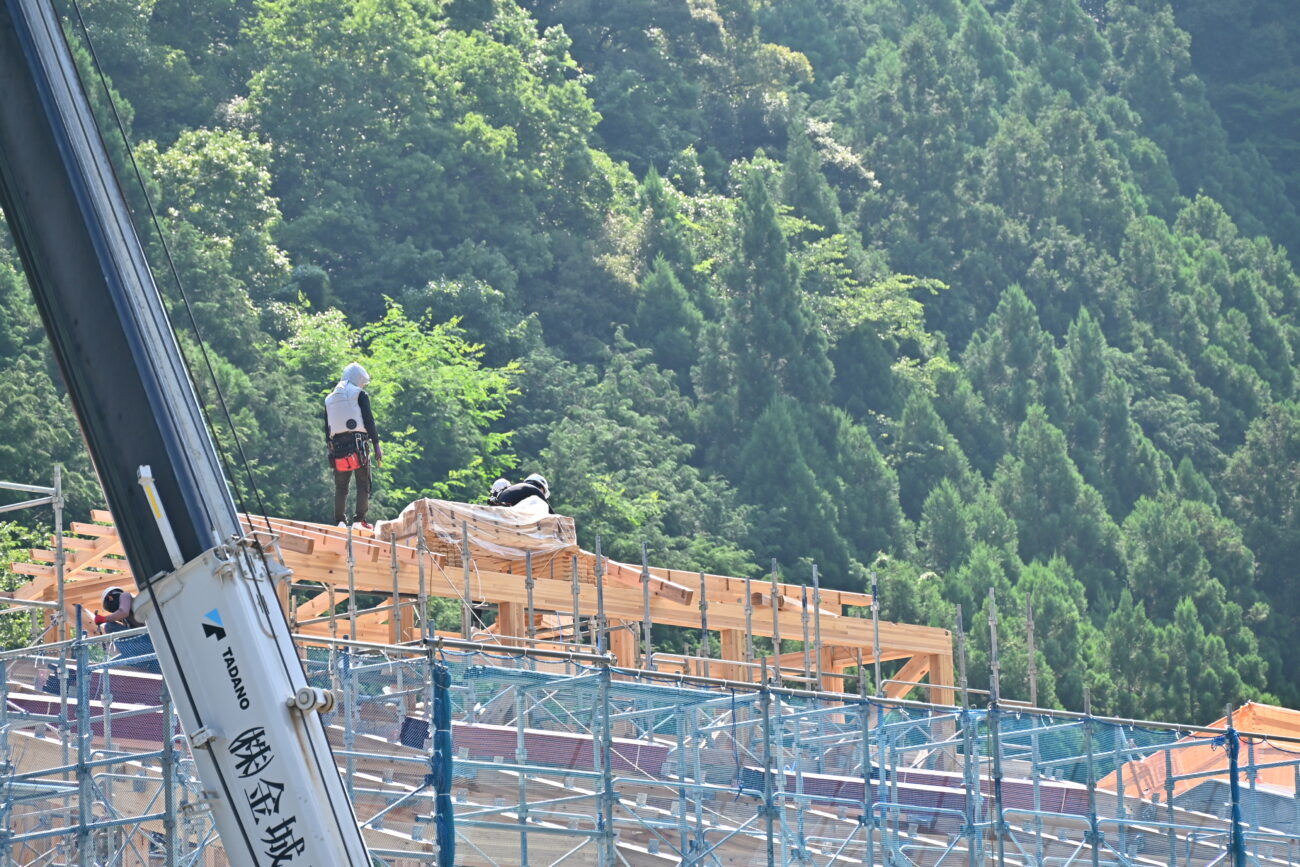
pixel 206 592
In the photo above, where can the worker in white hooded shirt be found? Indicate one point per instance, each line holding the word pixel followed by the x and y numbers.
pixel 350 435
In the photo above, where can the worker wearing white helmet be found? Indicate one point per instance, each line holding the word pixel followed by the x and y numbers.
pixel 117 602
pixel 349 435
pixel 119 617
pixel 535 486
pixel 497 487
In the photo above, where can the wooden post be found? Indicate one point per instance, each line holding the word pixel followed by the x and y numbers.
pixel 704 623
pixel 466 623
pixel 530 616
pixel 941 679
pixel 776 624
pixel 733 647
pixel 942 692
pixel 622 642
pixel 282 594
pixel 422 593
pixel 511 622
pixel 407 622
pixel 577 603
pixel 829 677
pixel 647 621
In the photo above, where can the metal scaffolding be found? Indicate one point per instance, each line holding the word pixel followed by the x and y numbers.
pixel 548 751
pixel 562 757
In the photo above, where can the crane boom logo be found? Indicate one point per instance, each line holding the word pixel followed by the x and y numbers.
pixel 212 627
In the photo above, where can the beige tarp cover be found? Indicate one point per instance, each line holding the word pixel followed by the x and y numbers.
pixel 493 531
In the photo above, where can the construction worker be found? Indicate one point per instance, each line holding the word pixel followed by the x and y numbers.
pixel 120 617
pixel 497 487
pixel 534 486
pixel 117 602
pixel 349 435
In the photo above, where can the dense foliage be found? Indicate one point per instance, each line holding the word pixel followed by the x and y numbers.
pixel 974 294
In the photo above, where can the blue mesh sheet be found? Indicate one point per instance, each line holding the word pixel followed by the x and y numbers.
pixel 557 762
pixel 575 759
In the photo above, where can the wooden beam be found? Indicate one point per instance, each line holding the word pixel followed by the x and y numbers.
pixel 316 606
pixel 916 667
pixel 898 640
pixel 630 576
pixel 82 529
pixel 726 586
pixel 317 553
pixel 763 599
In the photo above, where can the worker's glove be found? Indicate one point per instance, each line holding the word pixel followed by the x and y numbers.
pixel 379 456
pixel 100 619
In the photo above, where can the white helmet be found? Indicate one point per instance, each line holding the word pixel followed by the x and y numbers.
pixel 541 480
pixel 500 485
pixel 356 374
pixel 103 600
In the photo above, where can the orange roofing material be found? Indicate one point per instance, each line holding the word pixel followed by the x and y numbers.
pixel 1203 754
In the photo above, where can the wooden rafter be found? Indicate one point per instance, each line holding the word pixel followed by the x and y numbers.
pixel 319 554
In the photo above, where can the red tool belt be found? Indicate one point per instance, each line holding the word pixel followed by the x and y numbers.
pixel 349 452
pixel 348 462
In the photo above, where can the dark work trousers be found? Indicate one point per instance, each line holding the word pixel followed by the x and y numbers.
pixel 341 478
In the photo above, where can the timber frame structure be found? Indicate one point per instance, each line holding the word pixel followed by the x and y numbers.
pixel 356 586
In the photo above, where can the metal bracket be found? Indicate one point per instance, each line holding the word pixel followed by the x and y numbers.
pixel 309 698
pixel 226 571
pixel 202 737
pixel 203 803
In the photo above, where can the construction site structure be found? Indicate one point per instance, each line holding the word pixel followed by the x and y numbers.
pixel 545 738
pixel 549 729
pixel 529 578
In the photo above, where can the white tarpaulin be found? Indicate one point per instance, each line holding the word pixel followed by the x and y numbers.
pixel 495 531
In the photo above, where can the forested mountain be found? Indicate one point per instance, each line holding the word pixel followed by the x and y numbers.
pixel 969 293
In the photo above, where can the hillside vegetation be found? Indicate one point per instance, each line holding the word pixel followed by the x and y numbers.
pixel 974 294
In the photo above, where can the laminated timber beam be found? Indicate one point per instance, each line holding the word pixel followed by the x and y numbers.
pixel 389 568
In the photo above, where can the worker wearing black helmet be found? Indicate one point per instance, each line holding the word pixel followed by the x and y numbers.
pixel 533 486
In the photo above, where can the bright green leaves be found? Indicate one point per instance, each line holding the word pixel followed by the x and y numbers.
pixel 220 183
pixel 615 463
pixel 437 408
pixel 402 144
pixel 16 544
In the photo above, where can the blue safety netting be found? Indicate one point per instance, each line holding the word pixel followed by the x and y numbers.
pixel 504 758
